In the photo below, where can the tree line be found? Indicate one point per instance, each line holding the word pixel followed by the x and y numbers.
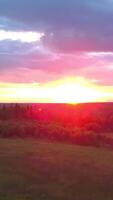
pixel 88 124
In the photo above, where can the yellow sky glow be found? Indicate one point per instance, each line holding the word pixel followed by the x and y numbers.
pixel 68 90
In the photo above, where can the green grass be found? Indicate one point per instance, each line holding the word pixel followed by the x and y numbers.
pixel 36 170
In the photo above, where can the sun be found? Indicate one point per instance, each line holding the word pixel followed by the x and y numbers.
pixel 68 90
pixel 74 93
pixel 75 90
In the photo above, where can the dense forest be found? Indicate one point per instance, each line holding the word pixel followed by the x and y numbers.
pixel 89 124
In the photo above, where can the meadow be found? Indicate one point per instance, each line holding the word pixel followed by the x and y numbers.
pixel 38 170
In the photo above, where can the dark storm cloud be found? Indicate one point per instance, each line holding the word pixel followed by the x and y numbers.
pixel 74 25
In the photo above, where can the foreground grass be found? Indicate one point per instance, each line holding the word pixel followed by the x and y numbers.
pixel 32 170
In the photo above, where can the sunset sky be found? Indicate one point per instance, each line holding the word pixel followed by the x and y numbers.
pixel 56 50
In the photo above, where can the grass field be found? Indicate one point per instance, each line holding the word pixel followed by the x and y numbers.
pixel 36 170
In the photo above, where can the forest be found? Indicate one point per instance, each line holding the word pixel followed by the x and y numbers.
pixel 84 124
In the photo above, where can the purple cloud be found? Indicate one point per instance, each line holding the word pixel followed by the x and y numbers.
pixel 72 31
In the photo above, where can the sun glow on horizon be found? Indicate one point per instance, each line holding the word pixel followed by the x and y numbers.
pixel 78 90
pixel 68 90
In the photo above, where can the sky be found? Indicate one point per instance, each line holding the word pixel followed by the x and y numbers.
pixel 56 51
